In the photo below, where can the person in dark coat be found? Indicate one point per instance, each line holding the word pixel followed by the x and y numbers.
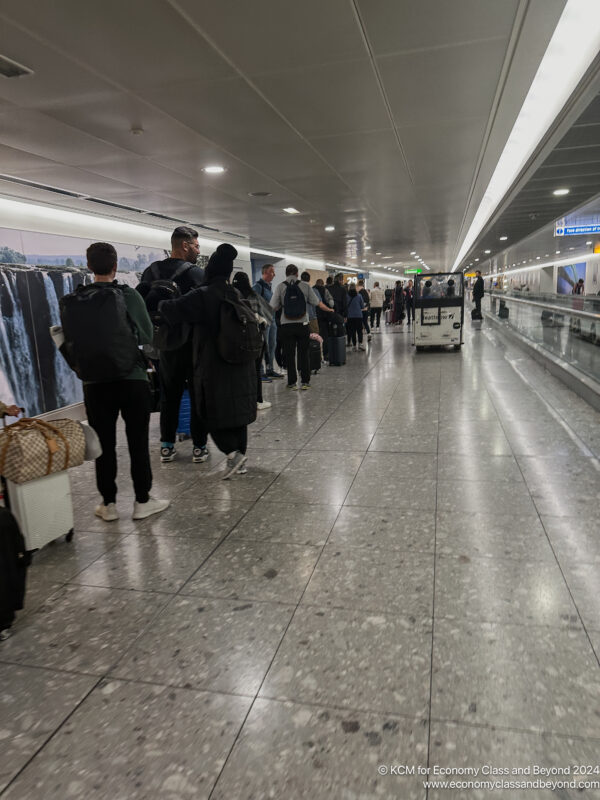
pixel 225 393
pixel 478 293
pixel 340 296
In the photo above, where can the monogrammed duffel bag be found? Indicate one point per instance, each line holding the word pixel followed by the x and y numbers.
pixel 32 448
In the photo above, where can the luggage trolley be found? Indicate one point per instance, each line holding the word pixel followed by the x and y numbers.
pixel 439 310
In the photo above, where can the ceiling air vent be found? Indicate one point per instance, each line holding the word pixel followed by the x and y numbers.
pixel 10 68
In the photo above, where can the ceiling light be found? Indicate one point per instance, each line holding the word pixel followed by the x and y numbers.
pixel 387 256
pixel 571 248
pixel 372 262
pixel 367 247
pixel 213 170
pixel 560 192
pixel 487 252
pixel 330 227
pixel 588 242
pixel 553 84
pixel 503 238
pixel 364 261
pixel 557 252
pixel 291 210
pixel 377 254
pixel 537 258
pixel 413 253
pixel 476 259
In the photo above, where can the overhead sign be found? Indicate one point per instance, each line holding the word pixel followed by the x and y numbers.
pixel 575 230
pixel 413 271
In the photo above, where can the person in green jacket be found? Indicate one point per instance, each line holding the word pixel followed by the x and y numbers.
pixel 129 396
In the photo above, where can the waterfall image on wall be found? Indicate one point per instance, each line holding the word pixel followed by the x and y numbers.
pixel 33 374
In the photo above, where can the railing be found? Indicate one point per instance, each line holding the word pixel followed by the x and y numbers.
pixel 566 326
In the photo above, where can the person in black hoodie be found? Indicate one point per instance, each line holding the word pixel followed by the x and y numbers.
pixel 340 296
pixel 478 294
pixel 175 366
pixel 225 393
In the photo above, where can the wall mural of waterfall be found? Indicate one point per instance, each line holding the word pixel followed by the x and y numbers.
pixel 33 374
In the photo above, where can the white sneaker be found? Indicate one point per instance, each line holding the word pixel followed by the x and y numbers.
pixel 361 347
pixel 152 506
pixel 264 405
pixel 235 462
pixel 108 513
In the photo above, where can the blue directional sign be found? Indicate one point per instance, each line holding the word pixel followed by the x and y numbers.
pixel 576 230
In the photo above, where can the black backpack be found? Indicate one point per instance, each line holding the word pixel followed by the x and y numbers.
pixel 240 338
pixel 100 339
pixel 294 301
pixel 166 337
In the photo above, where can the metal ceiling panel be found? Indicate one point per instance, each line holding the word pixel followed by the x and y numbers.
pixel 452 83
pixel 325 100
pixel 396 26
pixel 252 34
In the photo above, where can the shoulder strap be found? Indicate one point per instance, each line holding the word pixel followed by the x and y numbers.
pixel 181 269
pixel 155 270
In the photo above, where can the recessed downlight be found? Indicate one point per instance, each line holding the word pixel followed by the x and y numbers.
pixel 413 253
pixel 589 243
pixel 213 169
pixel 291 210
pixel 330 227
pixel 503 238
pixel 487 252
pixel 560 192
pixel 557 252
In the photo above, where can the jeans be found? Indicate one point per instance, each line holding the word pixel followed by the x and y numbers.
pixel 366 321
pixel 103 401
pixel 175 372
pixel 375 313
pixel 270 344
pixel 228 440
pixel 296 337
pixel 355 329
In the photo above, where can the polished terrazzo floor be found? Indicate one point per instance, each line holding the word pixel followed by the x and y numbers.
pixel 407 575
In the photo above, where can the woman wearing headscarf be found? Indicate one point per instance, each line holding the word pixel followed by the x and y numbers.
pixel 225 392
pixel 260 307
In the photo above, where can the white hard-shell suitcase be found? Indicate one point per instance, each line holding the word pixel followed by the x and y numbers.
pixel 43 508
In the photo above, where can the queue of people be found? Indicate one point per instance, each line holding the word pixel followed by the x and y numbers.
pixel 219 337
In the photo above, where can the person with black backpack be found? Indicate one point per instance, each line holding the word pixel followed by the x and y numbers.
pixel 167 280
pixel 293 296
pixel 227 341
pixel 104 323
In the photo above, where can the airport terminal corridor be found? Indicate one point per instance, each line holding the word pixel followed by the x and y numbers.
pixel 406 576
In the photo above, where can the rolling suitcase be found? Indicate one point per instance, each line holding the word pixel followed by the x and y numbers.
pixel 337 351
pixel 314 356
pixel 43 508
pixel 475 316
pixel 388 316
pixel 185 411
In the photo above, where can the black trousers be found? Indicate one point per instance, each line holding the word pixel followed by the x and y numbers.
pixel 375 315
pixel 478 304
pixel 228 440
pixel 175 373
pixel 259 394
pixel 355 329
pixel 295 337
pixel 103 402
pixel 410 312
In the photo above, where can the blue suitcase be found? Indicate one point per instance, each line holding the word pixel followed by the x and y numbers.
pixel 185 410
